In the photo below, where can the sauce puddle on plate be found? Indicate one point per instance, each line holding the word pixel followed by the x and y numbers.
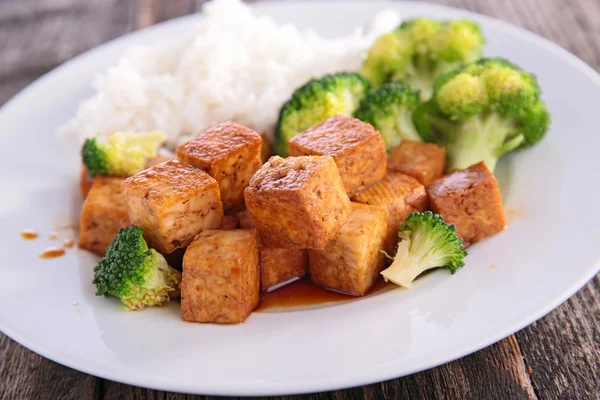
pixel 52 252
pixel 303 293
pixel 29 234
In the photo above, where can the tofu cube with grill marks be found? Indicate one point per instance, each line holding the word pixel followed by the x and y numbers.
pixel 103 210
pixel 423 161
pixel 357 149
pixel 352 260
pixel 471 200
pixel 297 202
pixel 230 153
pixel 279 265
pixel 173 202
pixel 221 277
pixel 400 195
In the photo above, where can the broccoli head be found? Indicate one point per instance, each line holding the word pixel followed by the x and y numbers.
pixel 426 242
pixel 389 109
pixel 137 275
pixel 482 111
pixel 123 154
pixel 316 101
pixel 421 49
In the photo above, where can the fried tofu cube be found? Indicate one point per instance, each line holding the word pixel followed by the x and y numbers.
pixel 173 202
pixel 85 182
pixel 230 153
pixel 229 222
pixel 471 200
pixel 221 277
pixel 102 213
pixel 266 150
pixel 400 195
pixel 245 220
pixel 297 202
pixel 352 260
pixel 279 265
pixel 423 161
pixel 357 149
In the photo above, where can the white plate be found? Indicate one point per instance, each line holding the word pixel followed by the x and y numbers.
pixel 549 250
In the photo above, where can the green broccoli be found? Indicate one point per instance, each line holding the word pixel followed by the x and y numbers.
pixel 137 275
pixel 316 101
pixel 482 111
pixel 123 154
pixel 421 49
pixel 426 242
pixel 389 109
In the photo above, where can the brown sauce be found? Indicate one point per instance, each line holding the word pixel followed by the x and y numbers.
pixel 52 252
pixel 303 293
pixel 29 234
pixel 68 243
pixel 53 235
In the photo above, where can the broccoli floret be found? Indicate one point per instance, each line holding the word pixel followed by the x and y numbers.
pixel 420 50
pixel 482 111
pixel 316 101
pixel 426 242
pixel 389 109
pixel 137 275
pixel 123 154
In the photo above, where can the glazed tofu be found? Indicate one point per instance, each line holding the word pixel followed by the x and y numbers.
pixel 85 182
pixel 352 260
pixel 278 266
pixel 221 277
pixel 102 213
pixel 245 220
pixel 357 149
pixel 230 153
pixel 471 200
pixel 173 202
pixel 297 202
pixel 400 195
pixel 229 222
pixel 423 161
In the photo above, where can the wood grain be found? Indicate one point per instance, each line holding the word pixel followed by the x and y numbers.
pixel 556 357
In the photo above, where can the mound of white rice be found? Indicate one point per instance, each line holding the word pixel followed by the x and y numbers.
pixel 233 65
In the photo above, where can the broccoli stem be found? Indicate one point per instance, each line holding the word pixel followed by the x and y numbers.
pixel 481 138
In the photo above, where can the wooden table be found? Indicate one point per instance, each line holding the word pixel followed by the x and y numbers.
pixel 556 357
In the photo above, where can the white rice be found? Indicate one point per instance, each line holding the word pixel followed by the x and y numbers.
pixel 233 65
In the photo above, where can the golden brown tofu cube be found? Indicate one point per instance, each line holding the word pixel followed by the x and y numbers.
pixel 357 149
pixel 221 277
pixel 266 150
pixel 278 266
pixel 85 182
pixel 471 200
pixel 228 152
pixel 400 195
pixel 297 202
pixel 102 213
pixel 173 202
pixel 423 161
pixel 352 260
pixel 229 222
pixel 245 220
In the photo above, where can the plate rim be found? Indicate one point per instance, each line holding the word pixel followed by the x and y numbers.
pixel 556 301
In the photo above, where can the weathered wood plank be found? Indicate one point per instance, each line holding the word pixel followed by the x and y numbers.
pixel 37 35
pixel 26 375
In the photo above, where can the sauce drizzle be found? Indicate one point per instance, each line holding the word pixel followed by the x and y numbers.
pixel 29 234
pixel 53 235
pixel 68 243
pixel 52 252
pixel 303 293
